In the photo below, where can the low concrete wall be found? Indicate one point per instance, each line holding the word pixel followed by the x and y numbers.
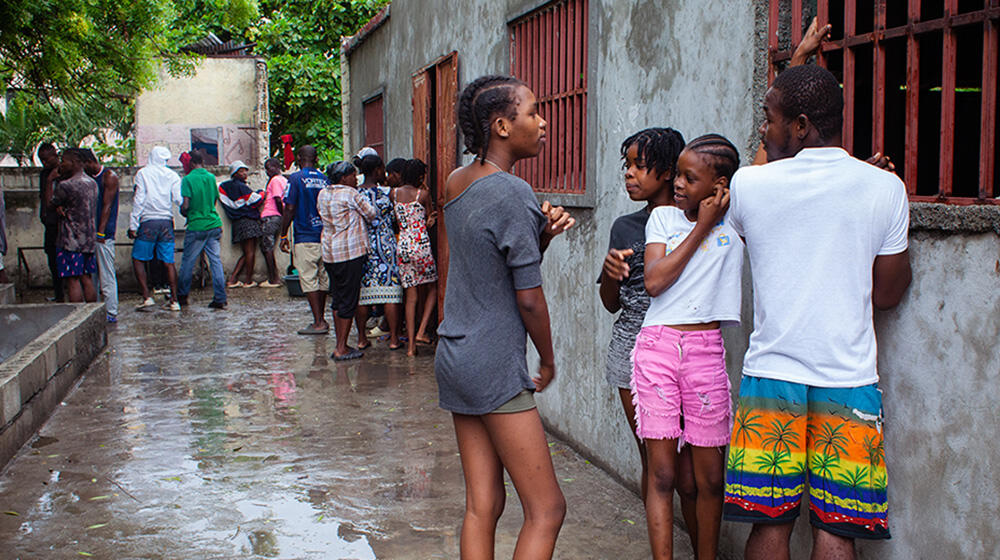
pixel 20 190
pixel 35 379
pixel 7 295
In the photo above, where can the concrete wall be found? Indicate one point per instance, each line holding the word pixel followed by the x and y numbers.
pixel 700 66
pixel 19 188
pixel 229 94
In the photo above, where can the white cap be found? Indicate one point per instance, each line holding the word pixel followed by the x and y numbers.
pixel 236 166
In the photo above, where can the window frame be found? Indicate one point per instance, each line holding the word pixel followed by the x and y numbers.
pixel 949 24
pixel 556 30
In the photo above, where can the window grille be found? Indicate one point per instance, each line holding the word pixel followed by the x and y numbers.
pixel 548 51
pixel 920 84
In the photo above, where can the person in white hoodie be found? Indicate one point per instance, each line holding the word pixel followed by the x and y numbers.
pixel 151 224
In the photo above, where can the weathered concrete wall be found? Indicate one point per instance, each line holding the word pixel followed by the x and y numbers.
pixel 229 94
pixel 19 188
pixel 701 67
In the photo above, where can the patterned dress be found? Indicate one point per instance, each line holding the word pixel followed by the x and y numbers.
pixel 380 283
pixel 416 262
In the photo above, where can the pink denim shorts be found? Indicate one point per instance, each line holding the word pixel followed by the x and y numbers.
pixel 681 374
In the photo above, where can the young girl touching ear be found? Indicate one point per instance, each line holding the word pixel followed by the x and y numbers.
pixel 693 264
pixel 496 234
pixel 649 161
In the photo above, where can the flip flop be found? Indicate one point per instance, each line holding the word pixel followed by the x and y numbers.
pixel 352 354
pixel 425 341
pixel 311 330
pixel 397 347
pixel 236 284
pixel 364 346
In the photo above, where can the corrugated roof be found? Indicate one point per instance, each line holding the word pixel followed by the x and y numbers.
pixel 211 45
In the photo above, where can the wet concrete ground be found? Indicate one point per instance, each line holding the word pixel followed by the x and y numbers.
pixel 220 434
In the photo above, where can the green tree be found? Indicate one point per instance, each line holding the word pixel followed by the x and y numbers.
pixel 746 426
pixel 781 436
pixel 829 440
pixel 823 466
pixel 301 41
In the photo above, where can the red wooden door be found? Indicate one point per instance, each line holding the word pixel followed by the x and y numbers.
pixel 446 154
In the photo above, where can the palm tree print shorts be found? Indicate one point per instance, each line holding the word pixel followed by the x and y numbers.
pixel 787 432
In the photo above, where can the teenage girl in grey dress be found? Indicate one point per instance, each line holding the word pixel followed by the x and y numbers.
pixel 496 233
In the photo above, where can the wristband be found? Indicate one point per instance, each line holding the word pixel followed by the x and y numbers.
pixel 101 234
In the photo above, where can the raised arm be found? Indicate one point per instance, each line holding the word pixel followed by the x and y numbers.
pixel 662 269
pixel 891 275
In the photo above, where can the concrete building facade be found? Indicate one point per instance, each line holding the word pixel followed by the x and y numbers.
pixel 702 66
pixel 221 108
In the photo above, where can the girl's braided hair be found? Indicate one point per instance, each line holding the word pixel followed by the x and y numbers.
pixel 658 148
pixel 481 101
pixel 718 152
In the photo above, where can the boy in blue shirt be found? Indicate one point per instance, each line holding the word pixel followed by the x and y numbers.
pixel 304 187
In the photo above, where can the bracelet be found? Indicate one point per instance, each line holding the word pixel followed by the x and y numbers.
pixel 101 234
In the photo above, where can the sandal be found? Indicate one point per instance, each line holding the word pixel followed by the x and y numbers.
pixel 365 345
pixel 352 354
pixel 250 285
pixel 236 284
pixel 396 347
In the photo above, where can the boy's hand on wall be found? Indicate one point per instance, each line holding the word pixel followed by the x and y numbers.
pixel 546 373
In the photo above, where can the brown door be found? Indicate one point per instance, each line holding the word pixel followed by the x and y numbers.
pixel 435 141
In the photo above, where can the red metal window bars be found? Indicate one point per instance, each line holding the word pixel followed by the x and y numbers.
pixel 548 51
pixel 920 85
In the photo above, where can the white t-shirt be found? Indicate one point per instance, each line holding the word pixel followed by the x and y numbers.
pixel 709 287
pixel 813 225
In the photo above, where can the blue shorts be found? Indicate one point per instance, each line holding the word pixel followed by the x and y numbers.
pixel 154 236
pixel 73 263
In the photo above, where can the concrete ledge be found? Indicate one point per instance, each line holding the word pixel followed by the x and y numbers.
pixel 35 379
pixel 7 296
pixel 929 216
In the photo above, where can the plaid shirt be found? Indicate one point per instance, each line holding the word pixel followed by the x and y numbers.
pixel 344 212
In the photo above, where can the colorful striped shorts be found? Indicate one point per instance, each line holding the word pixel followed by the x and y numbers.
pixel 787 432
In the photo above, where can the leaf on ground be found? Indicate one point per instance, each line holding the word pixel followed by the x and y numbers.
pixel 97 526
pixel 53 456
pixel 551 443
pixel 629 521
pixel 171 478
pixel 135 427
pixel 81 553
pixel 14 513
pixel 97 498
pixel 568 480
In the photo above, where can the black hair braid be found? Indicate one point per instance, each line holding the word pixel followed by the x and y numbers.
pixel 658 148
pixel 718 152
pixel 812 91
pixel 485 97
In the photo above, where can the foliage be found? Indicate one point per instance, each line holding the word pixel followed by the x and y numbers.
pixel 21 128
pixel 77 65
pixel 301 41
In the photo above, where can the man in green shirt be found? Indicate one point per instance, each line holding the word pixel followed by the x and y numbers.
pixel 204 229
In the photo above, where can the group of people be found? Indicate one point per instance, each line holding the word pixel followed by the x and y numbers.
pixel 79 212
pixel 826 236
pixel 361 235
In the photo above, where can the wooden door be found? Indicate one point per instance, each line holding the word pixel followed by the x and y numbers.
pixel 446 153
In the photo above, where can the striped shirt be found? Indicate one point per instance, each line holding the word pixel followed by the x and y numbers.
pixel 344 212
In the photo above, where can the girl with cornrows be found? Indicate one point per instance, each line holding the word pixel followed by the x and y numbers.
pixel 649 162
pixel 693 264
pixel 496 235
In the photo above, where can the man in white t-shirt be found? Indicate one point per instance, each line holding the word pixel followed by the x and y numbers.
pixel 827 240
